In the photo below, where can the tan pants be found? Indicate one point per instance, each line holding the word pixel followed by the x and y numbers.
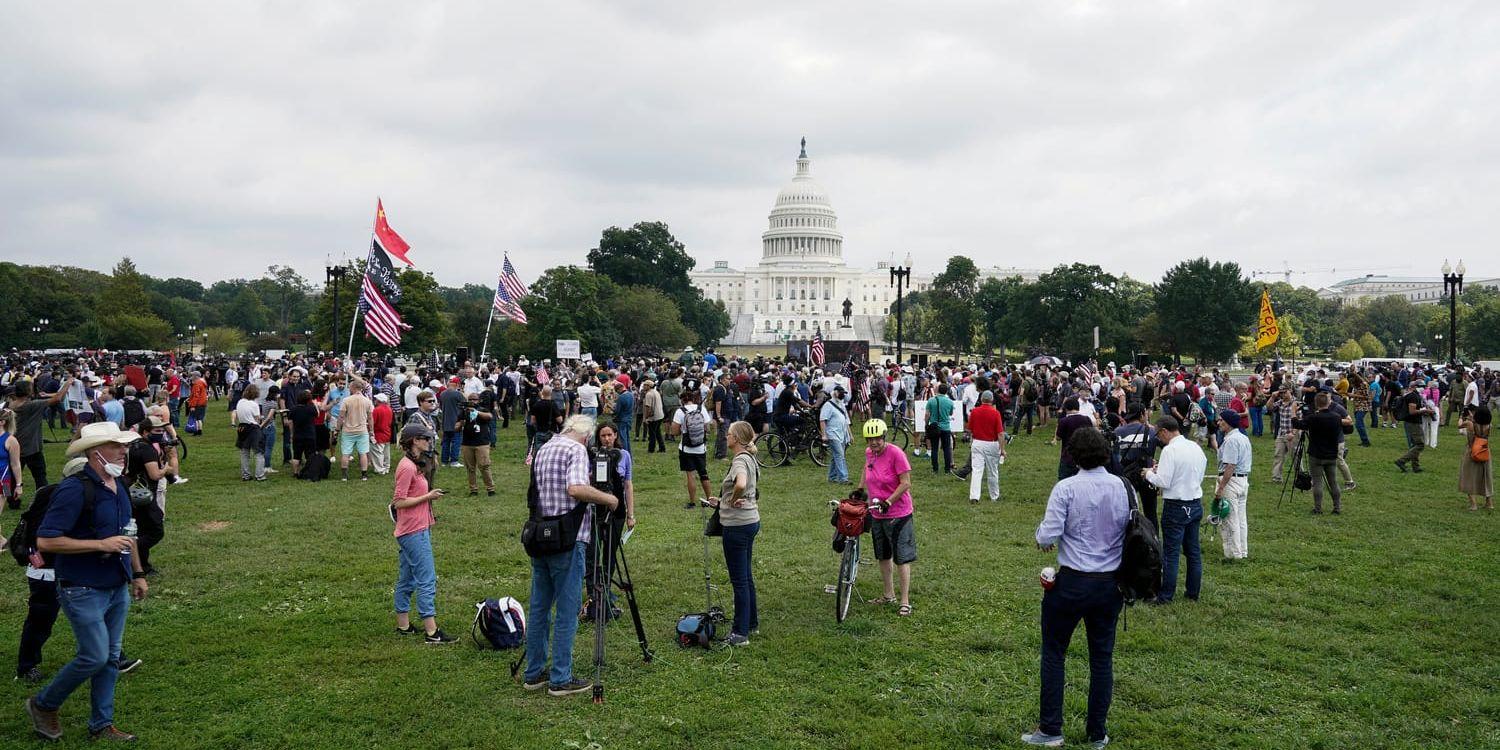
pixel 477 457
pixel 380 457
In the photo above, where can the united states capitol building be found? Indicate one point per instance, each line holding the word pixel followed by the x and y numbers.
pixel 802 281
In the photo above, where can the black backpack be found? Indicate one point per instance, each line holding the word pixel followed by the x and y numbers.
pixel 22 540
pixel 316 468
pixel 1139 575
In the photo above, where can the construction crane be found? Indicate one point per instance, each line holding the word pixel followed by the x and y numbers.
pixel 1287 271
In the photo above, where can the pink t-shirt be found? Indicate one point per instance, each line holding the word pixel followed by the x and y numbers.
pixel 883 474
pixel 410 482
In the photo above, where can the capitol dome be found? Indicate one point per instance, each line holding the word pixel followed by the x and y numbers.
pixel 802 227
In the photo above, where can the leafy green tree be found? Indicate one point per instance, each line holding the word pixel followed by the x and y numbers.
pixel 246 312
pixel 226 339
pixel 285 294
pixel 1204 307
pixel 1058 312
pixel 1371 346
pixel 180 288
pixel 136 331
pixel 568 302
pixel 1392 319
pixel 119 308
pixel 648 255
pixel 1479 338
pixel 993 301
pixel 953 303
pixel 1349 351
pixel 647 320
pixel 1321 327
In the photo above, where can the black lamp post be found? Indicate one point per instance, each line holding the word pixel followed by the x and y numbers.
pixel 335 275
pixel 1453 285
pixel 901 277
pixel 40 328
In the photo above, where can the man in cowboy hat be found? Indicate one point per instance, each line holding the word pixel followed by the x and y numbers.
pixel 86 527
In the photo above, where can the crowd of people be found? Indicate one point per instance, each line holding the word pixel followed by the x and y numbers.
pixel 1123 434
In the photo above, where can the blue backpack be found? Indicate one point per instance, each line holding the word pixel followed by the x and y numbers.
pixel 499 624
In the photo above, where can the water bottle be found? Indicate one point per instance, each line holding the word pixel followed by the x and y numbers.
pixel 130 530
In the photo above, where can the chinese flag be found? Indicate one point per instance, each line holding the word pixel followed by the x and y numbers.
pixel 387 237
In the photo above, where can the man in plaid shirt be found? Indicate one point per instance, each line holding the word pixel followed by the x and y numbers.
pixel 562 479
pixel 1286 436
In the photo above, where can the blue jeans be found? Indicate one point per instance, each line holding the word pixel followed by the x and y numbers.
pixel 556 580
pixel 1359 424
pixel 838 467
pixel 268 440
pixel 592 411
pixel 1257 422
pixel 1097 602
pixel 739 542
pixel 450 446
pixel 940 439
pixel 98 620
pixel 172 404
pixel 624 429
pixel 1179 536
pixel 415 573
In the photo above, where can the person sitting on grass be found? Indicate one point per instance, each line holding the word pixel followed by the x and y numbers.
pixel 411 509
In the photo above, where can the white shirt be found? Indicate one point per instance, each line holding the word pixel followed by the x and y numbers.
pixel 1179 474
pixel 412 391
pixel 588 396
pixel 247 411
pixel 1086 408
pixel 473 385
pixel 678 420
pixel 1471 394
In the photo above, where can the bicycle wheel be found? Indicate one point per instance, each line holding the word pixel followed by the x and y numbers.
pixel 182 451
pixel 818 452
pixel 770 450
pixel 848 569
pixel 899 437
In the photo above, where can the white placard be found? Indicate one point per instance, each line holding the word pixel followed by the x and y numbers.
pixel 568 348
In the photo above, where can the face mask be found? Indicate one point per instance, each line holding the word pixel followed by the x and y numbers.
pixel 112 469
pixel 155 438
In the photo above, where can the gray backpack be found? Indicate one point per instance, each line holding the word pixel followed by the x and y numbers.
pixel 694 427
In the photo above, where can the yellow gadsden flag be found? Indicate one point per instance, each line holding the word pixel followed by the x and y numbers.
pixel 1269 331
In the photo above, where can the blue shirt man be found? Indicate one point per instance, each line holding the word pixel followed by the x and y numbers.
pixel 624 414
pixel 88 528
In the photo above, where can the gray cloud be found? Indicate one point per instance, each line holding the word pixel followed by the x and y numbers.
pixel 211 141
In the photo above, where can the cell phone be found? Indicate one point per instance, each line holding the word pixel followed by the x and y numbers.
pixel 441 491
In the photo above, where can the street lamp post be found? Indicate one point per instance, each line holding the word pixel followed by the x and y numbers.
pixel 1453 285
pixel 192 338
pixel 901 277
pixel 335 275
pixel 40 328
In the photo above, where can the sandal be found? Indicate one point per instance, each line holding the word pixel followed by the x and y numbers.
pixel 884 600
pixel 904 611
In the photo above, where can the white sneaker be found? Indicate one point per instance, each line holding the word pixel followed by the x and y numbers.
pixel 269 470
pixel 1043 740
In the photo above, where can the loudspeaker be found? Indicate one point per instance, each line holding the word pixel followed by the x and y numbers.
pixel 463 355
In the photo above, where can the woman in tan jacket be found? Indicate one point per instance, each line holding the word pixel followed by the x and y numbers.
pixel 653 414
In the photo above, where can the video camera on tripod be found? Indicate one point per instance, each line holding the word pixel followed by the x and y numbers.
pixel 608 567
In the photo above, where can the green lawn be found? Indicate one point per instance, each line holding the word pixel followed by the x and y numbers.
pixel 270 625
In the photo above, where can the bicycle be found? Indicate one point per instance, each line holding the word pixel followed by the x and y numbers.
pixel 844 522
pixel 776 448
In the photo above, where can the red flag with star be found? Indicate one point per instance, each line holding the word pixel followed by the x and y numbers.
pixel 387 238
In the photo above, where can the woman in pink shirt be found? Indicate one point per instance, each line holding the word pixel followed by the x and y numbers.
pixel 411 509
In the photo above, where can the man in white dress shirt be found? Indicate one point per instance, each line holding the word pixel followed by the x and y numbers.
pixel 1179 476
pixel 1234 485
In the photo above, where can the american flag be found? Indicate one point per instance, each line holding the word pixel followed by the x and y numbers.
pixel 509 293
pixel 381 319
pixel 815 353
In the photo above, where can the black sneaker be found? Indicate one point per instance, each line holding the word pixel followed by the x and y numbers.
pixel 490 493
pixel 31 676
pixel 1401 465
pixel 410 629
pixel 574 687
pixel 438 637
pixel 536 684
pixel 126 664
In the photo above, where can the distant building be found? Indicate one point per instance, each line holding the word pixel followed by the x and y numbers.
pixel 801 281
pixel 1420 290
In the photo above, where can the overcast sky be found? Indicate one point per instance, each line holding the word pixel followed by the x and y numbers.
pixel 210 140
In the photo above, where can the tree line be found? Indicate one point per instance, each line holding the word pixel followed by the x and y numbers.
pixel 1200 309
pixel 634 294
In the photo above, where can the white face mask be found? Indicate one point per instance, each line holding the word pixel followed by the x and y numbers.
pixel 112 469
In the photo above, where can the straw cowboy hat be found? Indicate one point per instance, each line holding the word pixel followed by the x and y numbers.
pixel 96 434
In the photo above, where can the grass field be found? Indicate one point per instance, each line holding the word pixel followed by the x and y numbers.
pixel 270 625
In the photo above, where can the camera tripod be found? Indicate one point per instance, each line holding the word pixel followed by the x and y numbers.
pixel 1288 479
pixel 610 570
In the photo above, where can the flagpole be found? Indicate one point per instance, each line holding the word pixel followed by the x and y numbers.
pixel 485 347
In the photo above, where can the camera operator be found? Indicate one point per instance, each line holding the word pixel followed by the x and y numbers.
pixel 618 483
pixel 1324 428
pixel 560 471
pixel 1411 410
pixel 1286 410
pixel 29 415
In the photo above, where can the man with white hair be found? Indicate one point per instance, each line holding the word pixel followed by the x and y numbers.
pixel 560 486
